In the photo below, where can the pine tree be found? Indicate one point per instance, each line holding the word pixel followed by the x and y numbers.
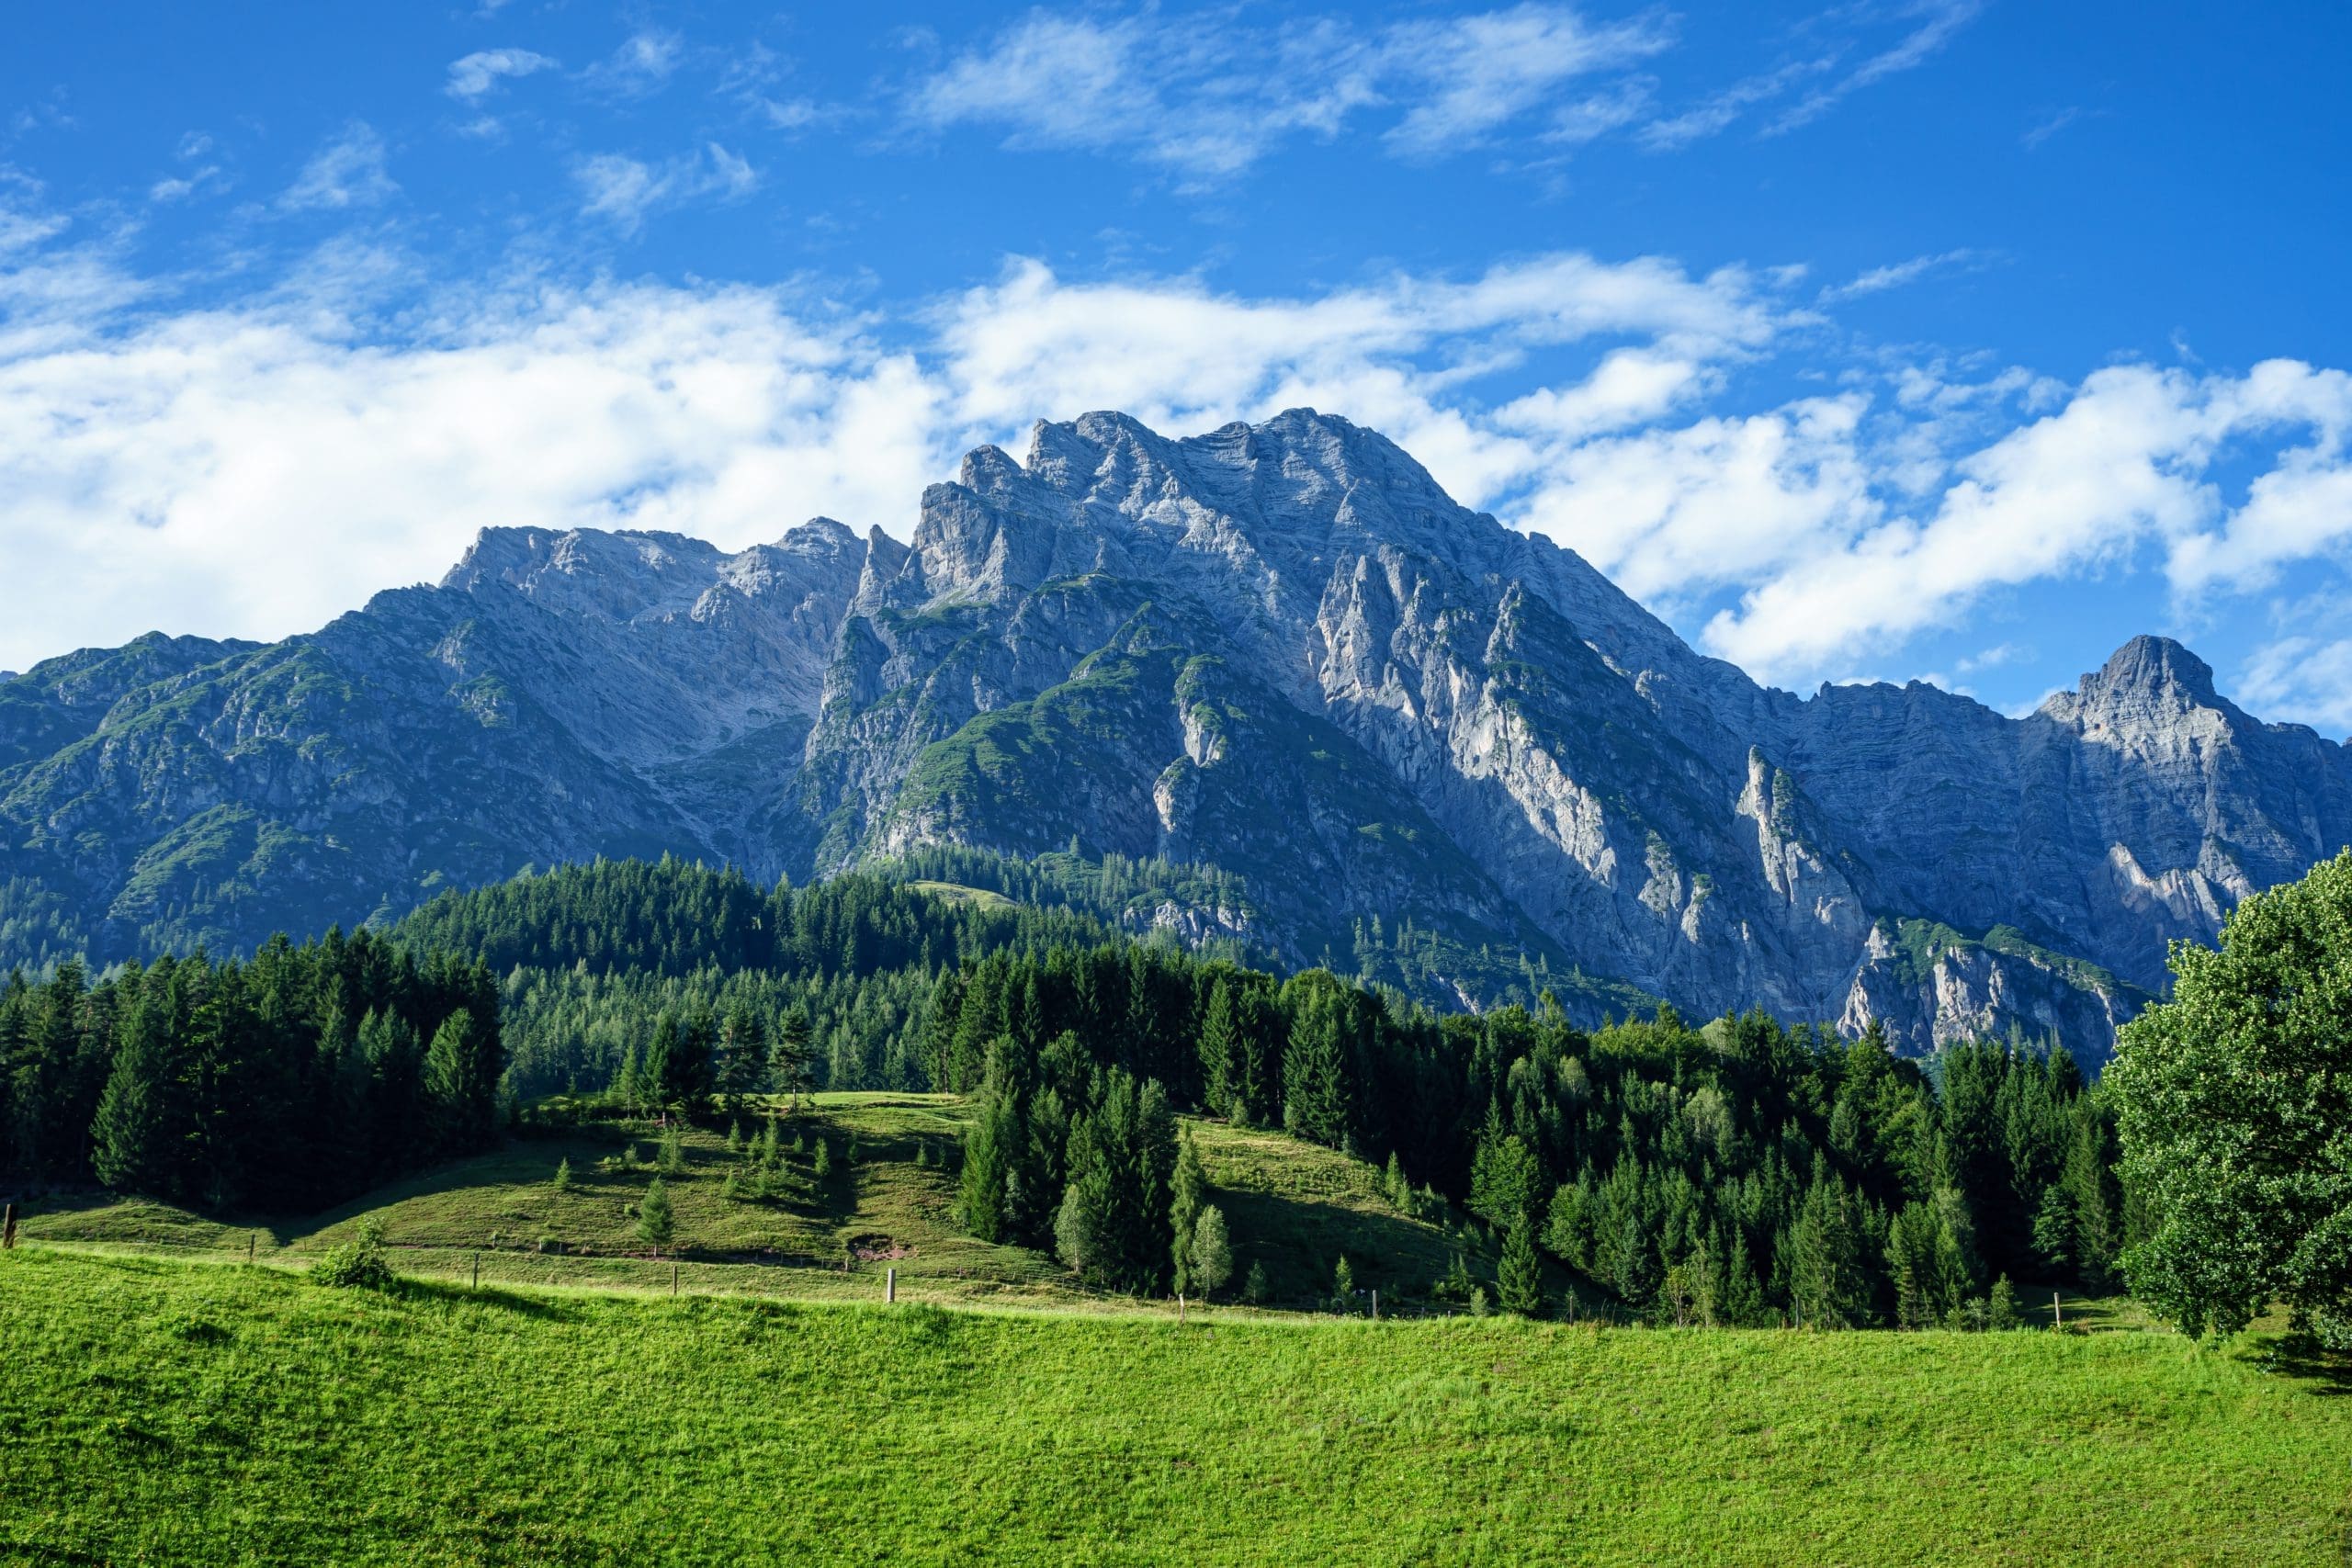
pixel 823 1167
pixel 790 1055
pixel 563 1180
pixel 654 1220
pixel 1255 1289
pixel 1315 1073
pixel 1343 1286
pixel 2001 1306
pixel 1520 1284
pixel 1188 1198
pixel 1212 1259
pixel 673 1152
pixel 743 1054
pixel 462 1099
pixel 131 1132
pixel 1221 1067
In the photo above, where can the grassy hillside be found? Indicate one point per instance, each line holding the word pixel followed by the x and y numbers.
pixel 1294 1209
pixel 164 1412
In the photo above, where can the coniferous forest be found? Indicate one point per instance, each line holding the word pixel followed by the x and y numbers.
pixel 1738 1172
pixel 285 1082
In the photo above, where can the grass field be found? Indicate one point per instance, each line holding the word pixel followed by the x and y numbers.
pixel 1295 1209
pixel 161 1411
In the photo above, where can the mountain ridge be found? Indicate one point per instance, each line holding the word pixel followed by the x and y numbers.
pixel 1277 649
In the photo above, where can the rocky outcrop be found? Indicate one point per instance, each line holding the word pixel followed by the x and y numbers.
pixel 1439 750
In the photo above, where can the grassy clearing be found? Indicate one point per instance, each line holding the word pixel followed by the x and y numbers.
pixel 1296 1210
pixel 157 1411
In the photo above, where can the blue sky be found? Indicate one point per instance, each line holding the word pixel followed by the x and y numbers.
pixel 1937 339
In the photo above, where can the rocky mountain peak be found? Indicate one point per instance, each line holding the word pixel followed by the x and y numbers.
pixel 2158 668
pixel 1430 743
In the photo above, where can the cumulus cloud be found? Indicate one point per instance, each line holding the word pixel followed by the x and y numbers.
pixel 1209 101
pixel 349 171
pixel 2305 680
pixel 255 469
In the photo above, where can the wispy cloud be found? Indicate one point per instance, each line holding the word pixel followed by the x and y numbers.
pixel 1208 102
pixel 1470 75
pixel 1716 114
pixel 349 171
pixel 1819 68
pixel 625 190
pixel 1944 20
pixel 1879 279
pixel 644 62
pixel 472 77
pixel 2050 125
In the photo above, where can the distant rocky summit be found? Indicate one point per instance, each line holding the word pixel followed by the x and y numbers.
pixel 1433 746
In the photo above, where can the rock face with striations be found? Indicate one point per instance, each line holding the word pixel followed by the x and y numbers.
pixel 1429 743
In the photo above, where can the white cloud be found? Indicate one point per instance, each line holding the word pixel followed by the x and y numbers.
pixel 1210 101
pixel 1717 113
pixel 644 63
pixel 347 172
pixel 255 469
pixel 2303 680
pixel 1898 274
pixel 472 77
pixel 625 190
pixel 1474 73
pixel 1944 20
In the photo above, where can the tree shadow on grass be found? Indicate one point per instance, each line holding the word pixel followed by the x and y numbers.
pixel 552 1309
pixel 2326 1372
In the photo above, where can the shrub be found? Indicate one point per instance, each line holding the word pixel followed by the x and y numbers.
pixel 357 1264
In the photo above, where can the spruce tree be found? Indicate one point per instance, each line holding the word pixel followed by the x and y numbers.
pixel 130 1134
pixel 1520 1283
pixel 790 1056
pixel 1211 1252
pixel 654 1220
pixel 1221 1067
pixel 2001 1306
pixel 563 1182
pixel 1188 1198
pixel 1315 1073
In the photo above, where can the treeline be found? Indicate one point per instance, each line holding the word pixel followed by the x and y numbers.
pixel 1743 1172
pixel 288 1081
pixel 593 958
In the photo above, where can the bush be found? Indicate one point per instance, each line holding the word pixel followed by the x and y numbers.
pixel 357 1264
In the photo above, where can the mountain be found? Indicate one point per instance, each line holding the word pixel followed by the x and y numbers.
pixel 1427 743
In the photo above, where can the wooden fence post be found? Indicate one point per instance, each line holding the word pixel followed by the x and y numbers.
pixel 1375 1306
pixel 890 1285
pixel 673 1278
pixel 252 1246
pixel 8 1230
pixel 476 1284
pixel 2057 1313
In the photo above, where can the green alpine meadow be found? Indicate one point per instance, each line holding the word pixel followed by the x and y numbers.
pixel 158 1410
pixel 1318 783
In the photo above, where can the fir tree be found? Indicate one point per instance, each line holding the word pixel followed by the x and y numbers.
pixel 563 1180
pixel 654 1220
pixel 2001 1306
pixel 1188 1198
pixel 1520 1284
pixel 1211 1258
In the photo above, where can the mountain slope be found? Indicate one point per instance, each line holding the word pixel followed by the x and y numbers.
pixel 1279 650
